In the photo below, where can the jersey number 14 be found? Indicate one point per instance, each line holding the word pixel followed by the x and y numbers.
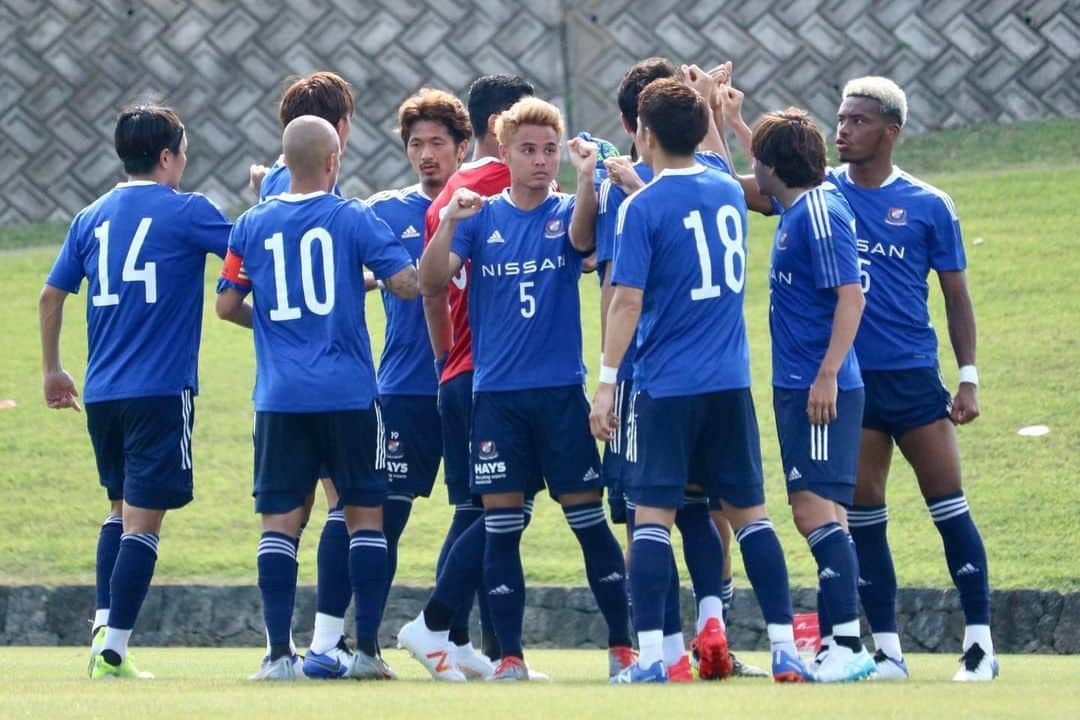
pixel 147 274
pixel 729 227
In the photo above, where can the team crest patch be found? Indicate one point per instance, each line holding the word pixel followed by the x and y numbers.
pixel 896 216
pixel 781 241
pixel 554 228
pixel 394 449
pixel 488 451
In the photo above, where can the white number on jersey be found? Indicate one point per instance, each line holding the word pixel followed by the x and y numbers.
pixel 528 302
pixel 276 244
pixel 147 275
pixel 864 275
pixel 729 227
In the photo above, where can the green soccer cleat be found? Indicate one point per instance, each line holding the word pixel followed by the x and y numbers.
pixel 101 669
pixel 97 643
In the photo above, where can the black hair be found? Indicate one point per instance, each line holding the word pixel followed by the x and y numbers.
pixel 491 94
pixel 142 132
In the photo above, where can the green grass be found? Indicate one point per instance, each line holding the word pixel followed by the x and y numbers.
pixel 1022 490
pixel 209 682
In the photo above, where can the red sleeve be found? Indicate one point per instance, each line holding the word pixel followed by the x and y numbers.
pixel 233 270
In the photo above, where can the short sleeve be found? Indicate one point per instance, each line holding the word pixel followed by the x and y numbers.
pixel 233 274
pixel 210 229
pixel 381 251
pixel 607 216
pixel 713 160
pixel 463 241
pixel 946 244
pixel 67 271
pixel 633 251
pixel 833 252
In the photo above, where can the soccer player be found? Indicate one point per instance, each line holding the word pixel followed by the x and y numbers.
pixel 814 311
pixel 530 416
pixel 691 419
pixel 142 248
pixel 300 254
pixel 435 131
pixel 907 228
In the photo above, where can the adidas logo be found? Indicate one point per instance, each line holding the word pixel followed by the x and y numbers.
pixel 863 583
pixel 612 578
pixel 501 590
pixel 794 475
pixel 968 569
pixel 828 574
pixel 410 232
pixel 495 237
pixel 590 474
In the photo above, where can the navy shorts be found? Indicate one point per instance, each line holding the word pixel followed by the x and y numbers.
pixel 413 442
pixel 819 458
pixel 613 471
pixel 708 440
pixel 143 449
pixel 291 447
pixel 902 400
pixel 455 413
pixel 524 438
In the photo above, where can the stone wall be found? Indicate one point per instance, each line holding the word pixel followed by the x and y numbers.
pixel 67 66
pixel 1024 621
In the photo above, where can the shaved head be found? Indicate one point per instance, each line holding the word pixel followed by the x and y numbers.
pixel 309 142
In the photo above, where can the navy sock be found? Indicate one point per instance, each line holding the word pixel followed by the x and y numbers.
pixel 702 549
pixel 131 578
pixel 965 555
pixel 604 567
pixel 504 579
pixel 107 548
pixel 650 583
pixel 823 618
pixel 672 611
pixel 396 512
pixel 458 580
pixel 837 572
pixel 465 515
pixel 727 596
pixel 276 560
pixel 877 577
pixel 333 591
pixel 766 570
pixel 367 571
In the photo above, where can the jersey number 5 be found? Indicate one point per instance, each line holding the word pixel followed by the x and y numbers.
pixel 147 275
pixel 729 227
pixel 276 244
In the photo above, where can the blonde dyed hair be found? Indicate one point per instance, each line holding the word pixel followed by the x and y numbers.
pixel 527 111
pixel 892 99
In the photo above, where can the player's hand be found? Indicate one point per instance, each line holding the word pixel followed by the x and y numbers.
pixel 602 419
pixel 464 204
pixel 821 403
pixel 721 74
pixel 60 391
pixel 965 406
pixel 622 173
pixel 583 155
pixel 731 101
pixel 700 81
pixel 256 173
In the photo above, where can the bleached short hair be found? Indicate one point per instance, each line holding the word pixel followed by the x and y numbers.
pixel 892 99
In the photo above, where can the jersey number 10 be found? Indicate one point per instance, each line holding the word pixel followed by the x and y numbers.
pixel 276 244
pixel 729 227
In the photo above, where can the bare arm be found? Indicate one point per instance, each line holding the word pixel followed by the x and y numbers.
pixel 230 306
pixel 621 324
pixel 960 314
pixel 821 403
pixel 583 220
pixel 59 387
pixel 403 283
pixel 438 263
pixel 437 315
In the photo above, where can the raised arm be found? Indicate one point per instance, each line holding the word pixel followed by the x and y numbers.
pixel 439 263
pixel 583 221
pixel 960 314
pixel 60 390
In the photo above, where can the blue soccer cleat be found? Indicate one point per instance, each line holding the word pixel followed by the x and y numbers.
pixel 655 673
pixel 789 667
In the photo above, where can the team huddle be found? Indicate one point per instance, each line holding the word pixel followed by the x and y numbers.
pixel 478 265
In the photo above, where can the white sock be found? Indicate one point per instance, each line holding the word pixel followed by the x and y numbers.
pixel 328 630
pixel 978 634
pixel 846 629
pixel 889 643
pixel 710 606
pixel 827 641
pixel 444 635
pixel 782 637
pixel 674 648
pixel 101 617
pixel 117 641
pixel 650 648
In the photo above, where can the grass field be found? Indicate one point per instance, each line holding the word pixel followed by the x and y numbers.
pixel 1016 192
pixel 47 682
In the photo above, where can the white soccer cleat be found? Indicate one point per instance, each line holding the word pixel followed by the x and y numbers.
pixel 369 667
pixel 976 666
pixel 536 675
pixel 843 665
pixel 889 668
pixel 284 668
pixel 474 664
pixel 431 649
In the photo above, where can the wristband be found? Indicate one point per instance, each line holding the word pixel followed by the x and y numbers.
pixel 380 284
pixel 968 374
pixel 440 365
pixel 609 375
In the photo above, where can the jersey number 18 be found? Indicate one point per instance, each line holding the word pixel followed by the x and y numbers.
pixel 729 227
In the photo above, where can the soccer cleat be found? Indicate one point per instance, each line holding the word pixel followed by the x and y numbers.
pixel 284 668
pixel 711 647
pixel 101 669
pixel 681 671
pixel 819 658
pixel 536 675
pixel 430 649
pixel 620 657
pixel 889 668
pixel 97 643
pixel 844 665
pixel 330 665
pixel 510 669
pixel 472 663
pixel 977 666
pixel 369 667
pixel 741 669
pixel 635 674
pixel 788 667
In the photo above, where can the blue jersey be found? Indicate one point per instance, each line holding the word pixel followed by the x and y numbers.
pixel 813 253
pixel 277 181
pixel 610 199
pixel 682 240
pixel 407 365
pixel 906 228
pixel 524 306
pixel 302 258
pixel 142 248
